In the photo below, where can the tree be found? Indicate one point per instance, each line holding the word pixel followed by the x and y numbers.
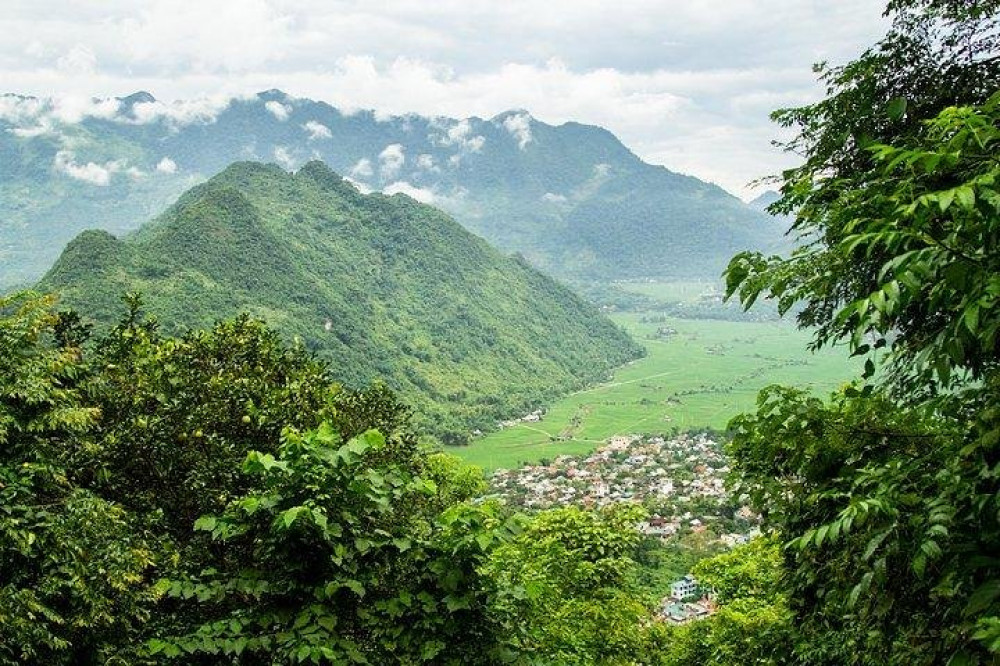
pixel 563 590
pixel 752 624
pixel 887 496
pixel 339 554
pixel 73 566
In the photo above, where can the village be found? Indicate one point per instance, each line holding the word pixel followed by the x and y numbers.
pixel 679 479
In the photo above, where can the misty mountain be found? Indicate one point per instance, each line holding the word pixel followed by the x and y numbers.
pixel 571 199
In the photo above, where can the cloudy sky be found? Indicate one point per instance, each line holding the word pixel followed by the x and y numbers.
pixel 684 83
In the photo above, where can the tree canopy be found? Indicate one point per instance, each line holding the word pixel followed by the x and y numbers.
pixel 886 496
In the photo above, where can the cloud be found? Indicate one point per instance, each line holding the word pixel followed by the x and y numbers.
pixel 91 172
pixel 283 156
pixel 361 187
pixel 166 165
pixel 391 160
pixel 278 110
pixel 456 134
pixel 317 130
pixel 423 195
pixel 362 168
pixel 202 110
pixel 660 75
pixel 519 125
pixel 553 198
pixel 426 162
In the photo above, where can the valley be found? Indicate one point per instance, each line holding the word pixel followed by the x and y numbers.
pixel 698 377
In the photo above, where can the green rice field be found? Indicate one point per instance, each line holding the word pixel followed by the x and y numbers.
pixel 697 374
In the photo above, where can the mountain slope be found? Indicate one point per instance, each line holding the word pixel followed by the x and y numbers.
pixel 570 198
pixel 381 286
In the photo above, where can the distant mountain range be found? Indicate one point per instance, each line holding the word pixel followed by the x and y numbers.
pixel 763 200
pixel 382 286
pixel 571 198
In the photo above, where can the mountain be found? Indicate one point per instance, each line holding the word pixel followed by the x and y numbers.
pixel 382 286
pixel 763 200
pixel 761 203
pixel 571 199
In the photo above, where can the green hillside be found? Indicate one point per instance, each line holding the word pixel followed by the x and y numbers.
pixel 383 287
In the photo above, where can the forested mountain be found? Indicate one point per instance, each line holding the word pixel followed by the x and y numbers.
pixel 381 286
pixel 570 198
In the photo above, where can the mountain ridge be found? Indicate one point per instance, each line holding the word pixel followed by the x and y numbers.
pixel 571 198
pixel 381 286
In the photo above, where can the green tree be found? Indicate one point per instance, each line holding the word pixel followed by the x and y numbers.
pixel 563 591
pixel 339 555
pixel 73 566
pixel 752 624
pixel 887 494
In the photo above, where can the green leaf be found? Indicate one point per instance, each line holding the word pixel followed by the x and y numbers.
pixel 288 516
pixel 205 524
pixel 896 108
pixel 355 586
pixel 945 198
pixel 983 597
pixel 965 197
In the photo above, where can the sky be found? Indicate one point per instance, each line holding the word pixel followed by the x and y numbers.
pixel 684 83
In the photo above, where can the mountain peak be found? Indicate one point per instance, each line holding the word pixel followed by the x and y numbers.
pixel 504 115
pixel 273 95
pixel 763 200
pixel 140 97
pixel 387 289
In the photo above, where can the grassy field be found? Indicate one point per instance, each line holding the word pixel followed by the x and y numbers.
pixel 701 375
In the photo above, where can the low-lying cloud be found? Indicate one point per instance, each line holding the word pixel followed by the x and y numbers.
pixel 421 194
pixel 391 160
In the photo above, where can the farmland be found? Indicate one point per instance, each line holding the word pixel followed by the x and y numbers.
pixel 698 373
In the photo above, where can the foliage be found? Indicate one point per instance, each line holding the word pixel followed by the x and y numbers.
pixel 563 592
pixel 910 260
pixel 331 558
pixel 752 624
pixel 73 564
pixel 319 539
pixel 751 571
pixel 887 494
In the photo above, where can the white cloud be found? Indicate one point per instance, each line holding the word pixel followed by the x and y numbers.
pixel 283 156
pixel 362 169
pixel 78 61
pixel 459 134
pixel 426 162
pixel 553 198
pixel 166 165
pixel 519 125
pixel 180 112
pixel 278 110
pixel 91 172
pixel 17 109
pixel 317 130
pixel 391 160
pixel 361 187
pixel 423 195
